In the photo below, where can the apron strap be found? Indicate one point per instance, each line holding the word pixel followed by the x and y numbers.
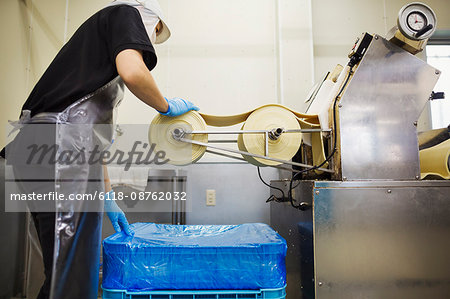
pixel 40 118
pixel 23 120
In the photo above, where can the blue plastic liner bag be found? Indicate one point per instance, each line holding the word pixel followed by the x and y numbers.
pixel 195 257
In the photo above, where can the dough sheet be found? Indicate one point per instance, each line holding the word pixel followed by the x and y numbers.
pixel 266 117
pixel 435 160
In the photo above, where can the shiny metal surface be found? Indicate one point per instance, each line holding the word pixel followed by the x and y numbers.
pixel 382 184
pixel 382 239
pixel 366 239
pixel 297 228
pixel 250 154
pixel 380 108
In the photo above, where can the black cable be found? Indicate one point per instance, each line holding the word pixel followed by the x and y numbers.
pixel 276 188
pixel 350 72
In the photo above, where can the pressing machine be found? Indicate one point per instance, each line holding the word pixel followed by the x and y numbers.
pixel 374 228
pixel 357 207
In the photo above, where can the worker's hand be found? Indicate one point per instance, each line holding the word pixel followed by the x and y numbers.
pixel 179 106
pixel 116 215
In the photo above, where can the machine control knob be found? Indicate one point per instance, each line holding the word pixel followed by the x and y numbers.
pixel 304 206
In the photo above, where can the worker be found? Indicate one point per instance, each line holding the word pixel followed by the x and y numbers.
pixel 82 86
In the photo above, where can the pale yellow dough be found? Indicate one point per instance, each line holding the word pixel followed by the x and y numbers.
pixel 179 153
pixel 433 160
pixel 266 117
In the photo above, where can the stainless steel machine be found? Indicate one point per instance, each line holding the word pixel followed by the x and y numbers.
pixel 359 220
pixel 373 228
pixel 366 239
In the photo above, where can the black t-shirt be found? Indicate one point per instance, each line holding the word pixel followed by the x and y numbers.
pixel 87 60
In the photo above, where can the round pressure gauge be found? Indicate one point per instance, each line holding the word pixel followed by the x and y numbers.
pixel 416 21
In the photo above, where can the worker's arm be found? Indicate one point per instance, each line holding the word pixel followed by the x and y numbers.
pixel 133 71
pixel 115 214
pixel 106 179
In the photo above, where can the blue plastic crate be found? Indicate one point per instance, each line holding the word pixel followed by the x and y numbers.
pixel 195 257
pixel 279 293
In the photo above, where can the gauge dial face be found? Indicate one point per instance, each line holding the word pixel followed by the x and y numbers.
pixel 414 17
pixel 416 21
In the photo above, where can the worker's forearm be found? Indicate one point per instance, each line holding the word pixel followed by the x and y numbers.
pixel 144 87
pixel 106 178
pixel 139 80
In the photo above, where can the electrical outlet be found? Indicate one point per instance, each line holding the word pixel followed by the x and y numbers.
pixel 210 197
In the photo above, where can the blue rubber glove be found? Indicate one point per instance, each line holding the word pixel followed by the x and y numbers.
pixel 178 107
pixel 116 215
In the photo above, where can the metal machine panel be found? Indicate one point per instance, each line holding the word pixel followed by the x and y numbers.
pixel 366 239
pixel 382 239
pixel 297 228
pixel 379 111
